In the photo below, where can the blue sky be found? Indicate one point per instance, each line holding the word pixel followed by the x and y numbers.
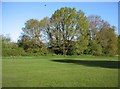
pixel 15 14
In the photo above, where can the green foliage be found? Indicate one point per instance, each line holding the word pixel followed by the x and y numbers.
pixel 107 38
pixel 12 49
pixel 66 32
pixel 32 28
pixel 96 48
pixel 30 47
pixel 67 25
pixel 103 34
pixel 30 40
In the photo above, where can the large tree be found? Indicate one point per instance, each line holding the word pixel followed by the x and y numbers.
pixel 65 26
pixel 95 25
pixel 30 39
pixel 68 31
pixel 107 38
pixel 102 36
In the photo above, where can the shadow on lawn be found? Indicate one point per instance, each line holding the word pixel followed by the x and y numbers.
pixel 98 63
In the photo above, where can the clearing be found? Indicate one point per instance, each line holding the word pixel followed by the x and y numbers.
pixel 59 71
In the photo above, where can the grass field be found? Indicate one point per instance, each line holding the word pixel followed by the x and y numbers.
pixel 59 71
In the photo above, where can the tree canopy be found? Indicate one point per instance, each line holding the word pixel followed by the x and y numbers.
pixel 68 32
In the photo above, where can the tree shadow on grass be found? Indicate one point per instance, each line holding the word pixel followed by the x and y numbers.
pixel 93 63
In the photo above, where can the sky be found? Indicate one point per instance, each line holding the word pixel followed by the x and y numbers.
pixel 15 14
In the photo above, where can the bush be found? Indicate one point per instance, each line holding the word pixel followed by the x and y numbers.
pixel 12 52
pixel 96 49
pixel 12 49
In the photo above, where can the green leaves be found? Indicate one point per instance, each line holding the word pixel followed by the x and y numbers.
pixel 108 40
pixel 30 40
pixel 69 32
pixel 69 25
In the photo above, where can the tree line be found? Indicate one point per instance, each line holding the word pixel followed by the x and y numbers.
pixel 66 32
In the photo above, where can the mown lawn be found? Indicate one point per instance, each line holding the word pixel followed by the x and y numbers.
pixel 59 71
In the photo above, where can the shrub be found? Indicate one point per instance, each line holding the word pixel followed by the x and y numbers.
pixel 12 49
